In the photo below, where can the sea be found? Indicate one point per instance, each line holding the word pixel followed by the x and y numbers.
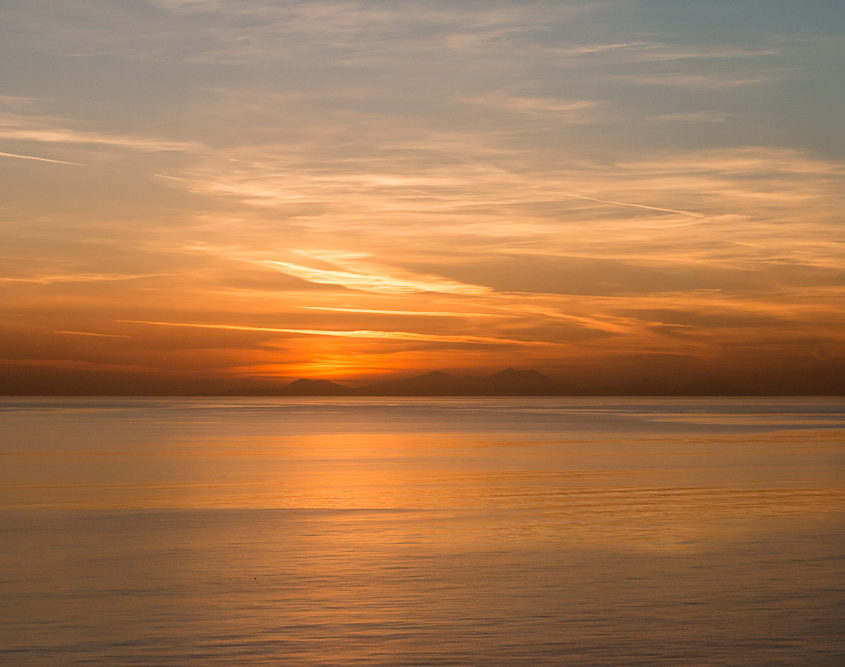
pixel 422 531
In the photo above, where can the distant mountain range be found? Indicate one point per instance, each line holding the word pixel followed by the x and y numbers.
pixel 508 382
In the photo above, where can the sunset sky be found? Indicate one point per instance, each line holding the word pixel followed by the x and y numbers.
pixel 200 195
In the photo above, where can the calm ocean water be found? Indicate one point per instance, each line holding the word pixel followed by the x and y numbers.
pixel 422 531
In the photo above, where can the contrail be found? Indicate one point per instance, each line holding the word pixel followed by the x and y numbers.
pixel 692 214
pixel 39 159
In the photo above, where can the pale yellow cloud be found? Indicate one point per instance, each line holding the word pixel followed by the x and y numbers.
pixel 372 282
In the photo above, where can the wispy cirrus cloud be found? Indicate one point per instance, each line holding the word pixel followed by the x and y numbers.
pixel 751 160
pixel 76 364
pixel 81 277
pixel 736 215
pixel 414 313
pixel 19 127
pixel 352 270
pixel 646 207
pixel 92 334
pixel 566 110
pixel 644 51
pixel 352 32
pixel 357 333
pixel 708 81
pixel 377 282
pixel 704 116
pixel 36 158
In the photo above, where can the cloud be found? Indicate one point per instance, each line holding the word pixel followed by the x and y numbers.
pixel 716 81
pixel 727 207
pixel 74 364
pixel 350 32
pixel 591 49
pixel 376 282
pixel 191 5
pixel 90 333
pixel 17 100
pixel 82 277
pixel 415 313
pixel 645 52
pixel 357 333
pixel 43 130
pixel 694 117
pixel 563 109
pixel 760 160
pixel 692 214
pixel 39 159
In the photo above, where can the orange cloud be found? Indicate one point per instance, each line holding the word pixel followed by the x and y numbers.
pixel 415 313
pixel 363 333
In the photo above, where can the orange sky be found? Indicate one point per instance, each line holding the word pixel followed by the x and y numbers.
pixel 213 195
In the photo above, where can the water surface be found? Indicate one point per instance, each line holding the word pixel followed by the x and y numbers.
pixel 422 531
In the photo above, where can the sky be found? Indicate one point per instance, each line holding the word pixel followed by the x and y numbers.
pixel 216 195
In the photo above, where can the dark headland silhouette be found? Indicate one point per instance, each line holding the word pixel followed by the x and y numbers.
pixel 508 382
pixel 826 378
